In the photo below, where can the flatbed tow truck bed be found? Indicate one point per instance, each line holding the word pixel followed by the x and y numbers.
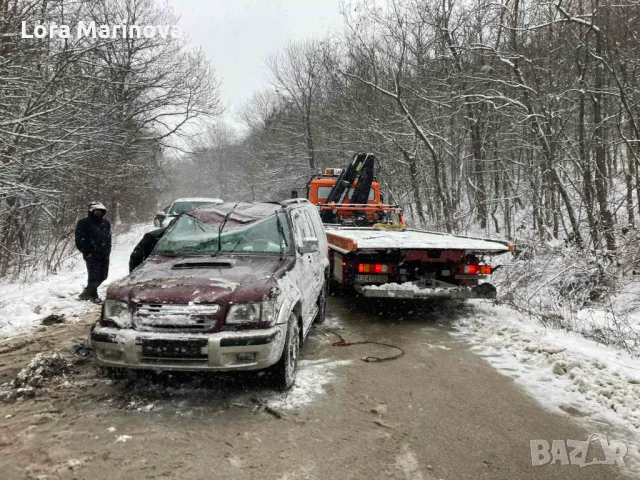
pixel 346 239
pixel 432 246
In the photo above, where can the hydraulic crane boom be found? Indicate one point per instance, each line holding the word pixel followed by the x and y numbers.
pixel 360 169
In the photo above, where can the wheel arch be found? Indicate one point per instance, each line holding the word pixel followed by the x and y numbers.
pixel 297 311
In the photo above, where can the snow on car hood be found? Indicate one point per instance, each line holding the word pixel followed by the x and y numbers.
pixel 221 279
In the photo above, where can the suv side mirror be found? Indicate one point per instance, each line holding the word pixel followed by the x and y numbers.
pixel 309 245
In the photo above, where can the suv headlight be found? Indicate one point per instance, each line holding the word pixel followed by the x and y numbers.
pixel 116 312
pixel 253 312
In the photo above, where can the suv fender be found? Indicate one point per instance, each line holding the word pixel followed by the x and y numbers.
pixel 288 298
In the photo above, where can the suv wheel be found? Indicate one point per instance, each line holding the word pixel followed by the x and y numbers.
pixel 322 304
pixel 284 372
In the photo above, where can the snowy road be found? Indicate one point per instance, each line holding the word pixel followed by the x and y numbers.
pixel 439 412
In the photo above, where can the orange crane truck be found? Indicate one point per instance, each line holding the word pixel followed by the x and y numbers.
pixel 372 249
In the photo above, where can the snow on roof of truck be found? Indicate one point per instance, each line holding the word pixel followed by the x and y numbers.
pixel 244 212
pixel 369 238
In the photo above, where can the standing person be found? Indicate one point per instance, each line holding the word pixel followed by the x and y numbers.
pixel 93 239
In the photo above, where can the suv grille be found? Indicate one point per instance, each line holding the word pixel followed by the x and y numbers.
pixel 165 318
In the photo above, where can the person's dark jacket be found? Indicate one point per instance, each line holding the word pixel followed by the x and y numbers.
pixel 144 247
pixel 93 237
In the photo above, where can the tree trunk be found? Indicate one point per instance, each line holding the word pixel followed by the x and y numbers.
pixel 601 181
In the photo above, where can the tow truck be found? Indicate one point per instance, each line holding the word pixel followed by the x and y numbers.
pixel 372 249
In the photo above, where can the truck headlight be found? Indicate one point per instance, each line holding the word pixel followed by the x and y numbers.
pixel 253 312
pixel 116 312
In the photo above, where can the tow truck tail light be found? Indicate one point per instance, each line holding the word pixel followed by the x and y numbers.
pixel 485 269
pixel 373 268
pixel 476 270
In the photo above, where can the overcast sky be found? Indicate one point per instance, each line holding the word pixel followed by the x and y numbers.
pixel 237 35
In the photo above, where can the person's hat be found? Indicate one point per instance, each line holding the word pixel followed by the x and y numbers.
pixel 96 206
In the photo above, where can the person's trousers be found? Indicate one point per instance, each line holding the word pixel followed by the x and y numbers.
pixel 97 272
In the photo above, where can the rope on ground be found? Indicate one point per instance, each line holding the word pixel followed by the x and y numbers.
pixel 343 343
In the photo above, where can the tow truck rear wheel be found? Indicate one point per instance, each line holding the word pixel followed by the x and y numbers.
pixel 283 373
pixel 322 304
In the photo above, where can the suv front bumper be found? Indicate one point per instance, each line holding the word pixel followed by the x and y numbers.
pixel 222 351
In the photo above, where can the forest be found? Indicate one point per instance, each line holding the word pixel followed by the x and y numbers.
pixel 515 119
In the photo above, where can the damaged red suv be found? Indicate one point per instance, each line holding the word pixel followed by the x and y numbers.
pixel 228 287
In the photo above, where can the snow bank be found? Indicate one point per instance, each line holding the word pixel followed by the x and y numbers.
pixel 25 305
pixel 565 288
pixel 563 370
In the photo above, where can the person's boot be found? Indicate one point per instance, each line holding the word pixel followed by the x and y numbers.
pixel 96 300
pixel 84 295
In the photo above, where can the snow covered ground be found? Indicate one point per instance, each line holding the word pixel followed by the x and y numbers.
pixel 25 305
pixel 563 370
pixel 564 288
pixel 310 380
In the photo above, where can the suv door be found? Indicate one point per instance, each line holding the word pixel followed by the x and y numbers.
pixel 304 263
pixel 319 258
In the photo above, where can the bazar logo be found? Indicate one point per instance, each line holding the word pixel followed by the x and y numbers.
pixel 575 452
pixel 93 30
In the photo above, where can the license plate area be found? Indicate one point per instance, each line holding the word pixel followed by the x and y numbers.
pixel 372 278
pixel 176 349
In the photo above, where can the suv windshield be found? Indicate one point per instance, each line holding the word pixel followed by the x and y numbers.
pixel 180 207
pixel 188 236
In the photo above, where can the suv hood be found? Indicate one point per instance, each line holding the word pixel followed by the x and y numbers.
pixel 221 279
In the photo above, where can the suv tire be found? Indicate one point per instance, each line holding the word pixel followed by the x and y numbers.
pixel 283 373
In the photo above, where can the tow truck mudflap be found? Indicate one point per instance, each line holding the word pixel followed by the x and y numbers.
pixel 437 290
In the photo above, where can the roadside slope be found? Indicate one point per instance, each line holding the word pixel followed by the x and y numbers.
pixel 24 305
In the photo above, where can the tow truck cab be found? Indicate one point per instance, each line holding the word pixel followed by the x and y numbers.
pixel 319 190
pixel 320 186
